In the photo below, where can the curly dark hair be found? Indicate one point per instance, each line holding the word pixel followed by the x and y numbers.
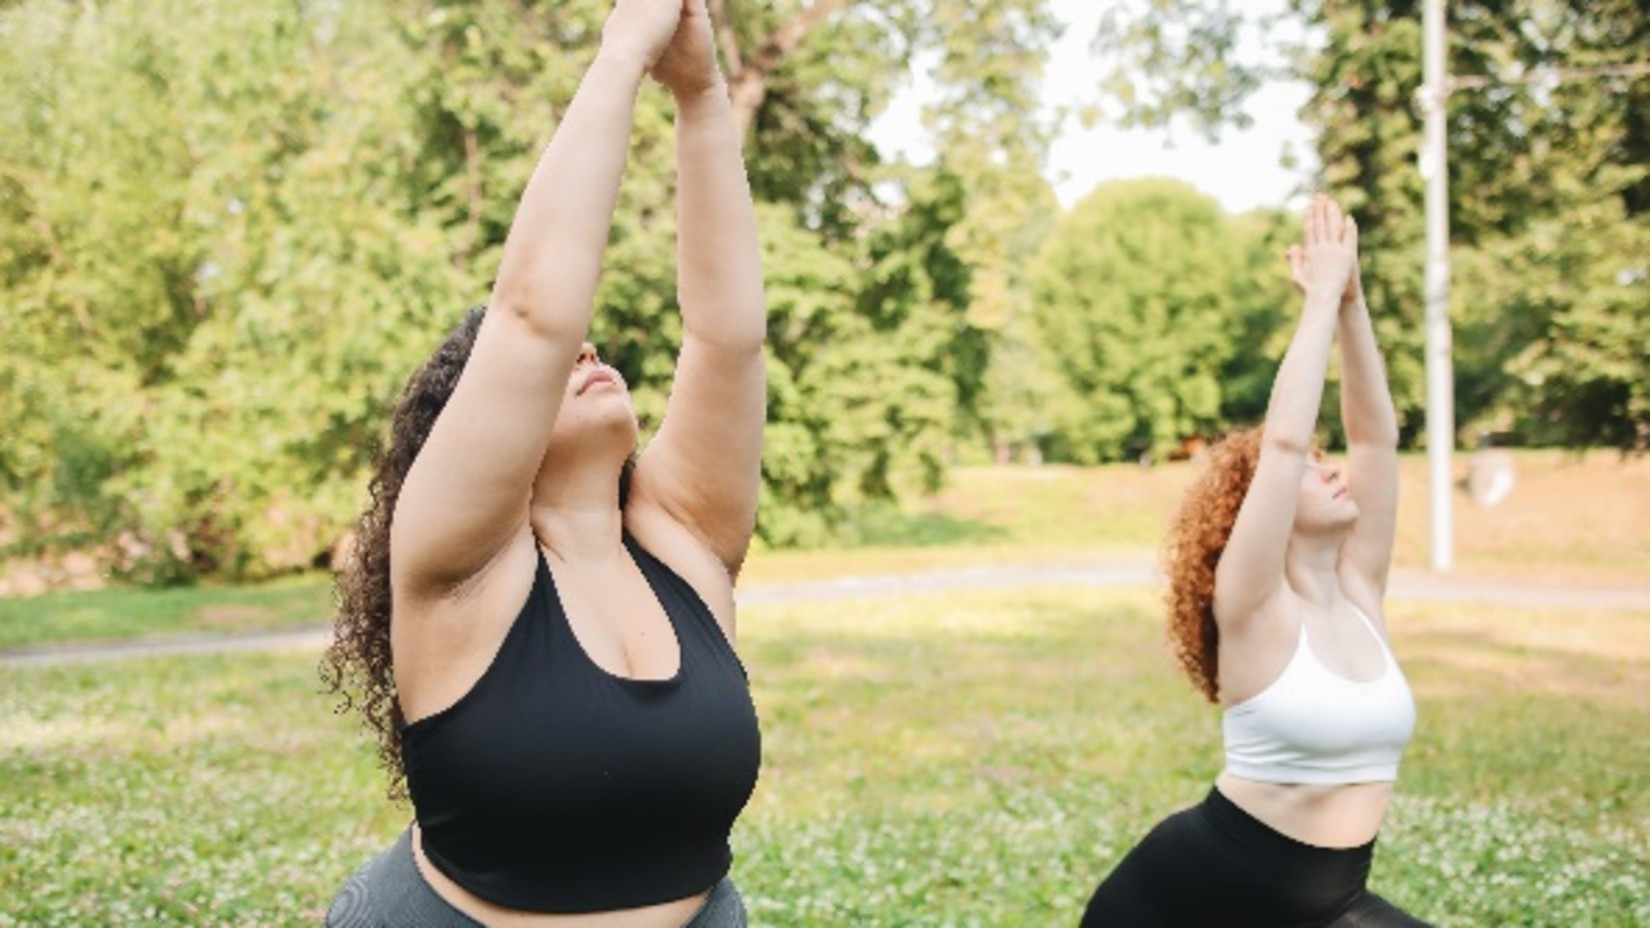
pixel 357 666
pixel 1197 538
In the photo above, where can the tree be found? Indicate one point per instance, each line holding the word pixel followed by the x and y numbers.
pixel 232 229
pixel 874 341
pixel 1574 323
pixel 1135 306
pixel 1265 312
pixel 1529 157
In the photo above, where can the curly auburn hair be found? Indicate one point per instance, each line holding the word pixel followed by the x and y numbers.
pixel 1196 540
pixel 357 665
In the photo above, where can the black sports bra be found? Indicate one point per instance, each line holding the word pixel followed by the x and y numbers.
pixel 555 786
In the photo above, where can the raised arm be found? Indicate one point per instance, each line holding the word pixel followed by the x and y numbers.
pixel 466 496
pixel 1250 574
pixel 1372 450
pixel 703 468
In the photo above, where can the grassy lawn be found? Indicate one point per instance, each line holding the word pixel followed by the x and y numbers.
pixel 1577 519
pixel 974 759
pixel 118 613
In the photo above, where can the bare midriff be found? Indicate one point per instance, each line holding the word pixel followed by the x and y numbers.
pixel 672 914
pixel 1328 816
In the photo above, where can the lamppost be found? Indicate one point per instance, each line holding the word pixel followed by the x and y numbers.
pixel 1433 100
pixel 1440 371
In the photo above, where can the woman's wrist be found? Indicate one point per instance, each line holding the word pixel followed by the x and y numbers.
pixel 1353 297
pixel 1323 300
pixel 621 62
pixel 713 93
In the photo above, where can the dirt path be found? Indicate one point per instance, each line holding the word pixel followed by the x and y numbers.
pixel 1405 586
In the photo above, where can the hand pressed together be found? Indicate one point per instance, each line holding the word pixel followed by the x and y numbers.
pixel 1326 263
pixel 641 30
pixel 687 66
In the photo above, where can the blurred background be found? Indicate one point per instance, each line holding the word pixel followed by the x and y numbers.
pixel 1023 259
pixel 1018 231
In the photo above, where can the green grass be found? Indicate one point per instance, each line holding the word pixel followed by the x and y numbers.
pixel 1053 506
pixel 973 759
pixel 121 613
pixel 1571 519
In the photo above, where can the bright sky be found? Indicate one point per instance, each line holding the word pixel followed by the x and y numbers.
pixel 1243 170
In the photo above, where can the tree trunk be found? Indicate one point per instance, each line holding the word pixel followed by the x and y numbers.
pixel 748 78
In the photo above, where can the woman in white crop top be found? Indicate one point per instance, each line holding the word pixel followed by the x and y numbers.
pixel 1278 563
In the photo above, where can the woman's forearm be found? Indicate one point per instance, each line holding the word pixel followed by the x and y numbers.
pixel 1367 412
pixel 1297 391
pixel 719 263
pixel 553 253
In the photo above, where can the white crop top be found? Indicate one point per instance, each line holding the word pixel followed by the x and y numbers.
pixel 1312 725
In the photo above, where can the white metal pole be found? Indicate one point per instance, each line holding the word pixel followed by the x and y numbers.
pixel 1439 366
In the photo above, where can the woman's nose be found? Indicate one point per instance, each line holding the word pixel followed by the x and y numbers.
pixel 587 354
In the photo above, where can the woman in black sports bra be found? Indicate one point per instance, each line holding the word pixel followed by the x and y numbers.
pixel 540 622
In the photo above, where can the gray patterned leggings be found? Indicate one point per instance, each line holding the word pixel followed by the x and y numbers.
pixel 389 892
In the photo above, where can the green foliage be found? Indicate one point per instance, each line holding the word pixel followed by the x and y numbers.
pixel 1009 212
pixel 1550 329
pixel 83 333
pixel 1267 307
pixel 809 292
pixel 1135 306
pixel 1170 61
pixel 230 230
pixel 238 264
pixel 1575 321
pixel 1543 182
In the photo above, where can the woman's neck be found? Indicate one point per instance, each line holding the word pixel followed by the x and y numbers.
pixel 1311 567
pixel 575 511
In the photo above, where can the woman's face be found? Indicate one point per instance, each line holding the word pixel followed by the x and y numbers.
pixel 1326 501
pixel 596 410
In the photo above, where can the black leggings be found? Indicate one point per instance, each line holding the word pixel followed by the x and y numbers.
pixel 1215 864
